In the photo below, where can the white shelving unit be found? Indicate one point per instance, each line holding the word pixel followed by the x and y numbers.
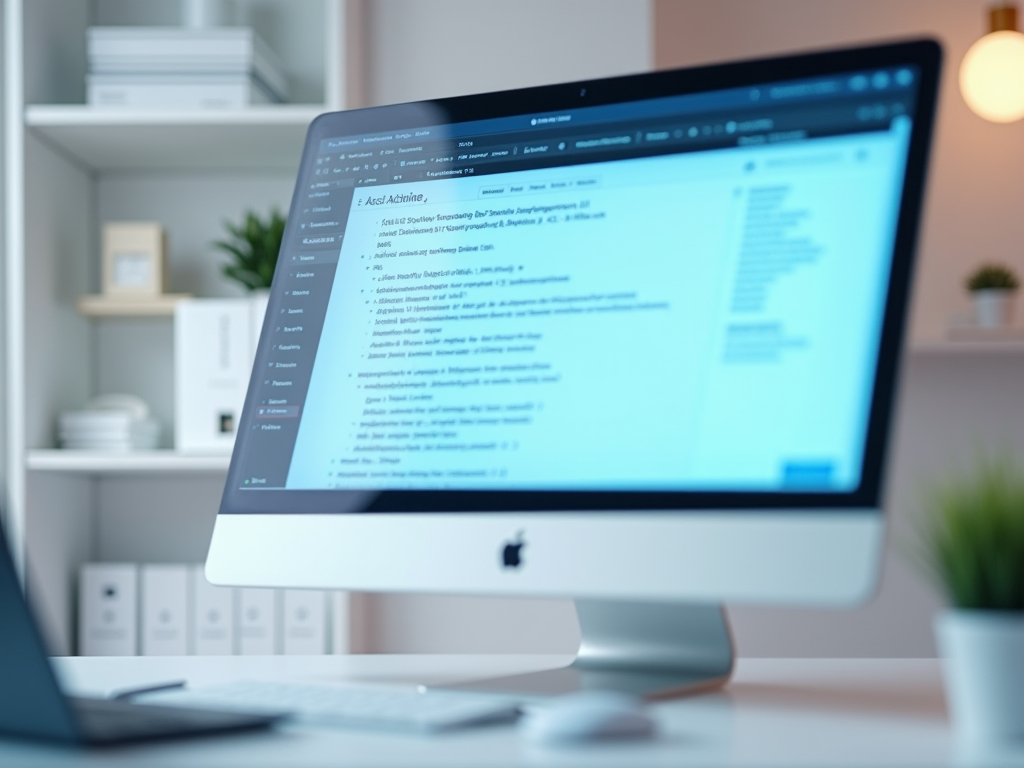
pixel 114 140
pixel 164 462
pixel 67 169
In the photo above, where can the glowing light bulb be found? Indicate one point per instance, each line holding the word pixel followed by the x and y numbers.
pixel 992 76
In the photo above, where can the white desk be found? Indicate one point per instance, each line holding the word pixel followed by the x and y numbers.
pixel 775 712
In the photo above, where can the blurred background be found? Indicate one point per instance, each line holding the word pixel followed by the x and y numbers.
pixel 71 166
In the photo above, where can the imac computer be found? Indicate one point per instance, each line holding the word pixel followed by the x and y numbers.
pixel 632 341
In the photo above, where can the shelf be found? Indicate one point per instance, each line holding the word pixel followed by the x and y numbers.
pixel 973 347
pixel 103 463
pixel 104 306
pixel 258 138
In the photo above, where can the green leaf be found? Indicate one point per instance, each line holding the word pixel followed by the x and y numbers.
pixel 253 248
pixel 992 276
pixel 972 536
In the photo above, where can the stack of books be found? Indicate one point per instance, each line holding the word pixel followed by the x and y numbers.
pixel 181 68
pixel 107 430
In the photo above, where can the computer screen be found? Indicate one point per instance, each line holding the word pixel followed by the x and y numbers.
pixel 627 300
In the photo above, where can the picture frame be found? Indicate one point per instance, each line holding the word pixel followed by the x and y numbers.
pixel 134 259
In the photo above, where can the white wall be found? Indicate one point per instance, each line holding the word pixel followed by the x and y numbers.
pixel 421 49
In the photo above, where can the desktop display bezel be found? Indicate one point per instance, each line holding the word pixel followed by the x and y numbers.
pixel 923 55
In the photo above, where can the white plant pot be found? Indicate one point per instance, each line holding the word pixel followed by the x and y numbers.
pixel 984 673
pixel 993 308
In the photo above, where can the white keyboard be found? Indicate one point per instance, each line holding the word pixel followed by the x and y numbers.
pixel 404 710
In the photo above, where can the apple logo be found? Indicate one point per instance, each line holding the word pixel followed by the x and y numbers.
pixel 510 555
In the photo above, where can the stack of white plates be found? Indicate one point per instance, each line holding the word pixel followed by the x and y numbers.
pixel 109 428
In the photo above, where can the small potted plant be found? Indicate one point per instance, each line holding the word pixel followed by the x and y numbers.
pixel 974 549
pixel 992 287
pixel 253 247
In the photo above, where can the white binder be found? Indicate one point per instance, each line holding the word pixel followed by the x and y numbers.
pixel 213 354
pixel 304 625
pixel 213 617
pixel 257 621
pixel 165 613
pixel 108 609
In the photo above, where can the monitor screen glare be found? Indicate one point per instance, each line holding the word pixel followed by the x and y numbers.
pixel 674 294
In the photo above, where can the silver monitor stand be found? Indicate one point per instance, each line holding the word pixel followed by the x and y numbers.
pixel 654 650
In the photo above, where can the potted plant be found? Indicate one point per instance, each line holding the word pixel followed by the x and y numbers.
pixel 974 548
pixel 992 287
pixel 254 246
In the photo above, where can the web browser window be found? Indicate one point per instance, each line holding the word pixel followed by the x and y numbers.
pixel 676 294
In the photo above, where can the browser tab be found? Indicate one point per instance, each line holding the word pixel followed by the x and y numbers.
pixel 604 141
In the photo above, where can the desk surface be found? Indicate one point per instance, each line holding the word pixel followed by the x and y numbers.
pixel 775 712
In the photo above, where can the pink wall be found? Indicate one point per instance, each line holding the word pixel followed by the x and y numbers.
pixel 976 195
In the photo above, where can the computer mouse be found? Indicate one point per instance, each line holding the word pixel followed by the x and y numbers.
pixel 587 716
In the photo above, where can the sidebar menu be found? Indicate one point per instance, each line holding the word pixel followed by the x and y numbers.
pixel 298 305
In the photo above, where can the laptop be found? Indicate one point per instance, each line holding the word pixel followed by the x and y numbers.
pixel 32 704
